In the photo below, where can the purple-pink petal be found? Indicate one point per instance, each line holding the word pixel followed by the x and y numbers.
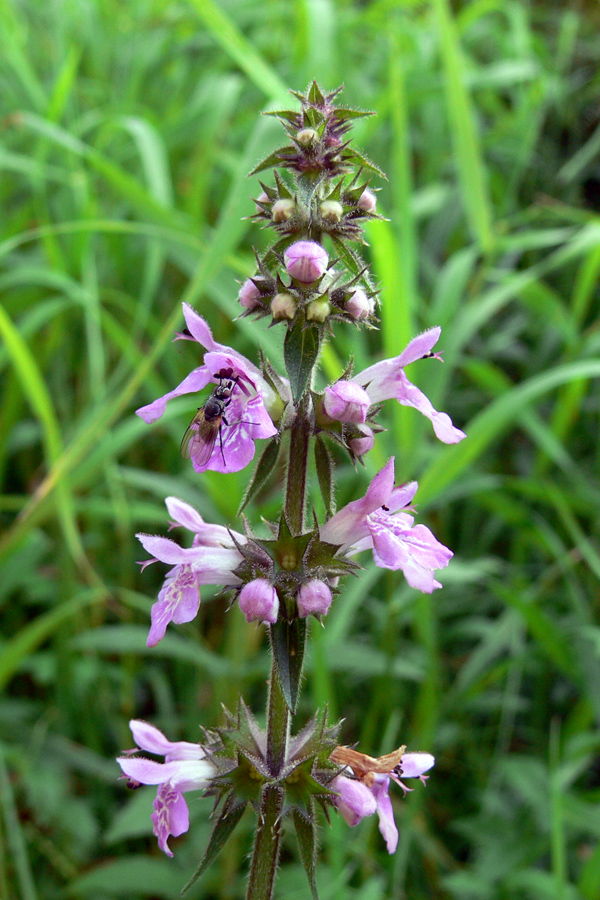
pixel 387 368
pixel 191 384
pixel 355 801
pixel 184 514
pixel 170 817
pixel 409 395
pixel 413 765
pixel 387 826
pixel 349 524
pixel 178 601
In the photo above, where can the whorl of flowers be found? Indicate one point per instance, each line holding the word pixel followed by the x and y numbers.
pixel 311 277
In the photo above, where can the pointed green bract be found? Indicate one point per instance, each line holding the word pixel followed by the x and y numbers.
pixel 306 833
pixel 224 828
pixel 288 640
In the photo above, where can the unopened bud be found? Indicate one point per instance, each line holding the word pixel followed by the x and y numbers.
pixel 331 211
pixel 359 305
pixel 367 201
pixel 259 601
pixel 314 599
pixel 283 306
pixel 346 401
pixel 306 261
pixel 307 136
pixel 263 197
pixel 282 210
pixel 363 442
pixel 249 295
pixel 318 310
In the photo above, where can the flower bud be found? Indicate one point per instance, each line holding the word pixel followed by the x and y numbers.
pixel 307 136
pixel 306 261
pixel 346 401
pixel 367 201
pixel 318 310
pixel 332 211
pixel 263 197
pixel 283 306
pixel 282 210
pixel 363 441
pixel 249 294
pixel 314 599
pixel 360 305
pixel 259 601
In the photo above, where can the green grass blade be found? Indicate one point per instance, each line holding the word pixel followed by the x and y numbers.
pixel 468 156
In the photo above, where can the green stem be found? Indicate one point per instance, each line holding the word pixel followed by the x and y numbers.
pixel 268 832
pixel 278 724
pixel 295 493
pixel 266 846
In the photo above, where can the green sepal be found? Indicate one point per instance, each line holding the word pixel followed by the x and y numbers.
pixel 352 259
pixel 306 833
pixel 316 96
pixel 342 112
pixel 262 472
pixel 300 351
pixel 273 159
pixel 353 156
pixel 288 115
pixel 321 555
pixel 282 188
pixel 288 641
pixel 325 471
pixel 224 827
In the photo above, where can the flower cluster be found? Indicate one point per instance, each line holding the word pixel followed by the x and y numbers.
pixel 311 277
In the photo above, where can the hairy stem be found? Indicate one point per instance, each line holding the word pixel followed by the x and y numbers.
pixel 295 493
pixel 266 846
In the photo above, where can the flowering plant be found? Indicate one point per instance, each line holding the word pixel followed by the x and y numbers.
pixel 311 278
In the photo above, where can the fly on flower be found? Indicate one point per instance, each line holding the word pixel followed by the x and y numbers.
pixel 199 440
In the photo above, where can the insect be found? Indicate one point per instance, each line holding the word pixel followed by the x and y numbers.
pixel 199 440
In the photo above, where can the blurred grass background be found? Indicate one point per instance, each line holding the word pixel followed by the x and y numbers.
pixel 127 132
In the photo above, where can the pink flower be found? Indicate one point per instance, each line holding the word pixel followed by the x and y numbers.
pixel 360 798
pixel 259 601
pixel 306 261
pixel 210 560
pixel 379 522
pixel 386 380
pixel 246 413
pixel 185 768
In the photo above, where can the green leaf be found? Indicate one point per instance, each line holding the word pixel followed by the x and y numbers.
pixel 306 832
pixel 288 640
pixel 222 831
pixel 262 472
pixel 301 351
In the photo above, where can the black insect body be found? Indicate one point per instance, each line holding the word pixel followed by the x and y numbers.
pixel 199 440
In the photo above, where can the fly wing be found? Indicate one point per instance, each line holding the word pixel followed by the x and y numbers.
pixel 199 440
